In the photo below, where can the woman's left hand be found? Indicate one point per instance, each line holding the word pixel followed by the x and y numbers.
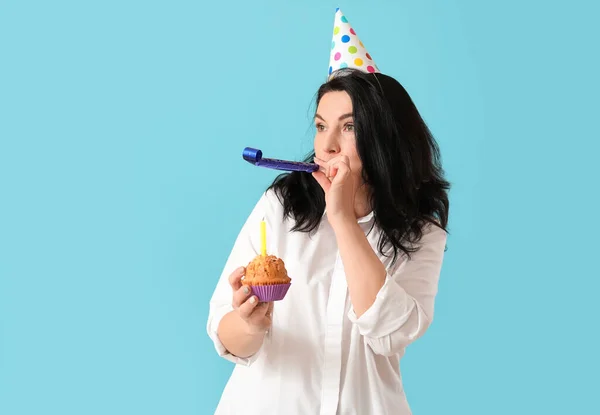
pixel 336 180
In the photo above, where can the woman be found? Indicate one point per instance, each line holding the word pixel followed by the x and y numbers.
pixel 363 240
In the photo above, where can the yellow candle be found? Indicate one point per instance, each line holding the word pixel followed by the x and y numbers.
pixel 263 238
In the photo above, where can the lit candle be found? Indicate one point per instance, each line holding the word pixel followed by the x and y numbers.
pixel 263 238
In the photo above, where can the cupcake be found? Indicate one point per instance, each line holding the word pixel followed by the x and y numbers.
pixel 267 278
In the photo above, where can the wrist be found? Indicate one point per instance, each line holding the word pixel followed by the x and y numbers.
pixel 341 220
pixel 345 226
pixel 253 331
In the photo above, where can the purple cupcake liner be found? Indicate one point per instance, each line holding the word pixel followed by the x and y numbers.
pixel 267 293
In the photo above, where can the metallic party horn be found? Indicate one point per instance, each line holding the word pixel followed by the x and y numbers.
pixel 254 156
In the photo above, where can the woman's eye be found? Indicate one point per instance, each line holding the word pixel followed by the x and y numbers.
pixel 320 127
pixel 350 127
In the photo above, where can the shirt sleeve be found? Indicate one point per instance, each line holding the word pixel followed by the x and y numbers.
pixel 245 248
pixel 404 306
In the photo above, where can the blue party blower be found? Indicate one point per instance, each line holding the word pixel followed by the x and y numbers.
pixel 254 156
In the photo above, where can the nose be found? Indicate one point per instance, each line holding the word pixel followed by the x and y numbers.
pixel 331 143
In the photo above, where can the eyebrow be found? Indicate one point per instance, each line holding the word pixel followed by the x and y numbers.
pixel 343 116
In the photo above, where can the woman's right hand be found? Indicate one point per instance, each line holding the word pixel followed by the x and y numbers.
pixel 258 316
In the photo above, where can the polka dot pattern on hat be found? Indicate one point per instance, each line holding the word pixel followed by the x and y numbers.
pixel 347 50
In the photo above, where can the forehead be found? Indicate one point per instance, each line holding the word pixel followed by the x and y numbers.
pixel 334 104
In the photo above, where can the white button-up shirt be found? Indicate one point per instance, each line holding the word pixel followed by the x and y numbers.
pixel 318 357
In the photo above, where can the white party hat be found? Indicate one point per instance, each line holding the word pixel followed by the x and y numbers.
pixel 347 51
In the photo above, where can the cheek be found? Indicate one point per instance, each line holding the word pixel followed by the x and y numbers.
pixel 318 142
pixel 356 167
pixel 355 163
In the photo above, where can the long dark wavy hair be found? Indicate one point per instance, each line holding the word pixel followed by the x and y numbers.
pixel 401 165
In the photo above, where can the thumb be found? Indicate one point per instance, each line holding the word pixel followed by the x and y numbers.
pixel 322 180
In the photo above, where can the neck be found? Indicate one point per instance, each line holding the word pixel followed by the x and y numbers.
pixel 361 202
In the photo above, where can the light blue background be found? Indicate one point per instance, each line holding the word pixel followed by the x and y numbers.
pixel 122 189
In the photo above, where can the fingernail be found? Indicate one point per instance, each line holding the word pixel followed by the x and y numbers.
pixel 246 290
pixel 252 300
